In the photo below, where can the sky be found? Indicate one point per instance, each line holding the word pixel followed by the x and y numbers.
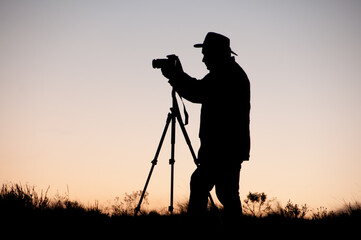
pixel 82 110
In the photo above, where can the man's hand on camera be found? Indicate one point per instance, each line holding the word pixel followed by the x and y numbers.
pixel 173 69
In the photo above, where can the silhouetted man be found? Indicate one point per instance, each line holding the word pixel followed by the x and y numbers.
pixel 224 127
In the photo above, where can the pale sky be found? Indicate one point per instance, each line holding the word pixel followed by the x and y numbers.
pixel 81 105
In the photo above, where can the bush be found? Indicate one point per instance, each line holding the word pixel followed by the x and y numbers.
pixel 294 210
pixel 15 197
pixel 257 205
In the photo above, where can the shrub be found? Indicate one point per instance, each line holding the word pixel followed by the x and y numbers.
pixel 16 197
pixel 257 205
pixel 128 205
pixel 293 211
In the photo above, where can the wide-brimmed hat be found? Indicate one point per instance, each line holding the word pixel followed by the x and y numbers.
pixel 215 42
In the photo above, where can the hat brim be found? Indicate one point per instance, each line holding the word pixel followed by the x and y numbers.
pixel 200 45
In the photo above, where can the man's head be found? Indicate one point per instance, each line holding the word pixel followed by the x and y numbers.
pixel 216 50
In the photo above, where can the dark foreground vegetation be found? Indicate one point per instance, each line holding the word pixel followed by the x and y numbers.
pixel 26 213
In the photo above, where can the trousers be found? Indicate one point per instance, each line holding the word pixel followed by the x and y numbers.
pixel 225 178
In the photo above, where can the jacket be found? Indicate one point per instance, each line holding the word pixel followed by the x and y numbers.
pixel 225 98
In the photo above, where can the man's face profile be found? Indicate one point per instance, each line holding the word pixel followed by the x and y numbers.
pixel 213 59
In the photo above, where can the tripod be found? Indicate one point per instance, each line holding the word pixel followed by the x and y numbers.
pixel 173 117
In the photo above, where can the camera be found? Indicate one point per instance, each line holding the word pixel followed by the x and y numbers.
pixel 161 63
pixel 170 61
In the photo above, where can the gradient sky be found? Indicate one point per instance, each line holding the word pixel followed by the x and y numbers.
pixel 81 106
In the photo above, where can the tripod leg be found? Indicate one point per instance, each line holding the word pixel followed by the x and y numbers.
pixel 171 162
pixel 154 162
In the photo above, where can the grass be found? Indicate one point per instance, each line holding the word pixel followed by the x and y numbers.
pixel 22 208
